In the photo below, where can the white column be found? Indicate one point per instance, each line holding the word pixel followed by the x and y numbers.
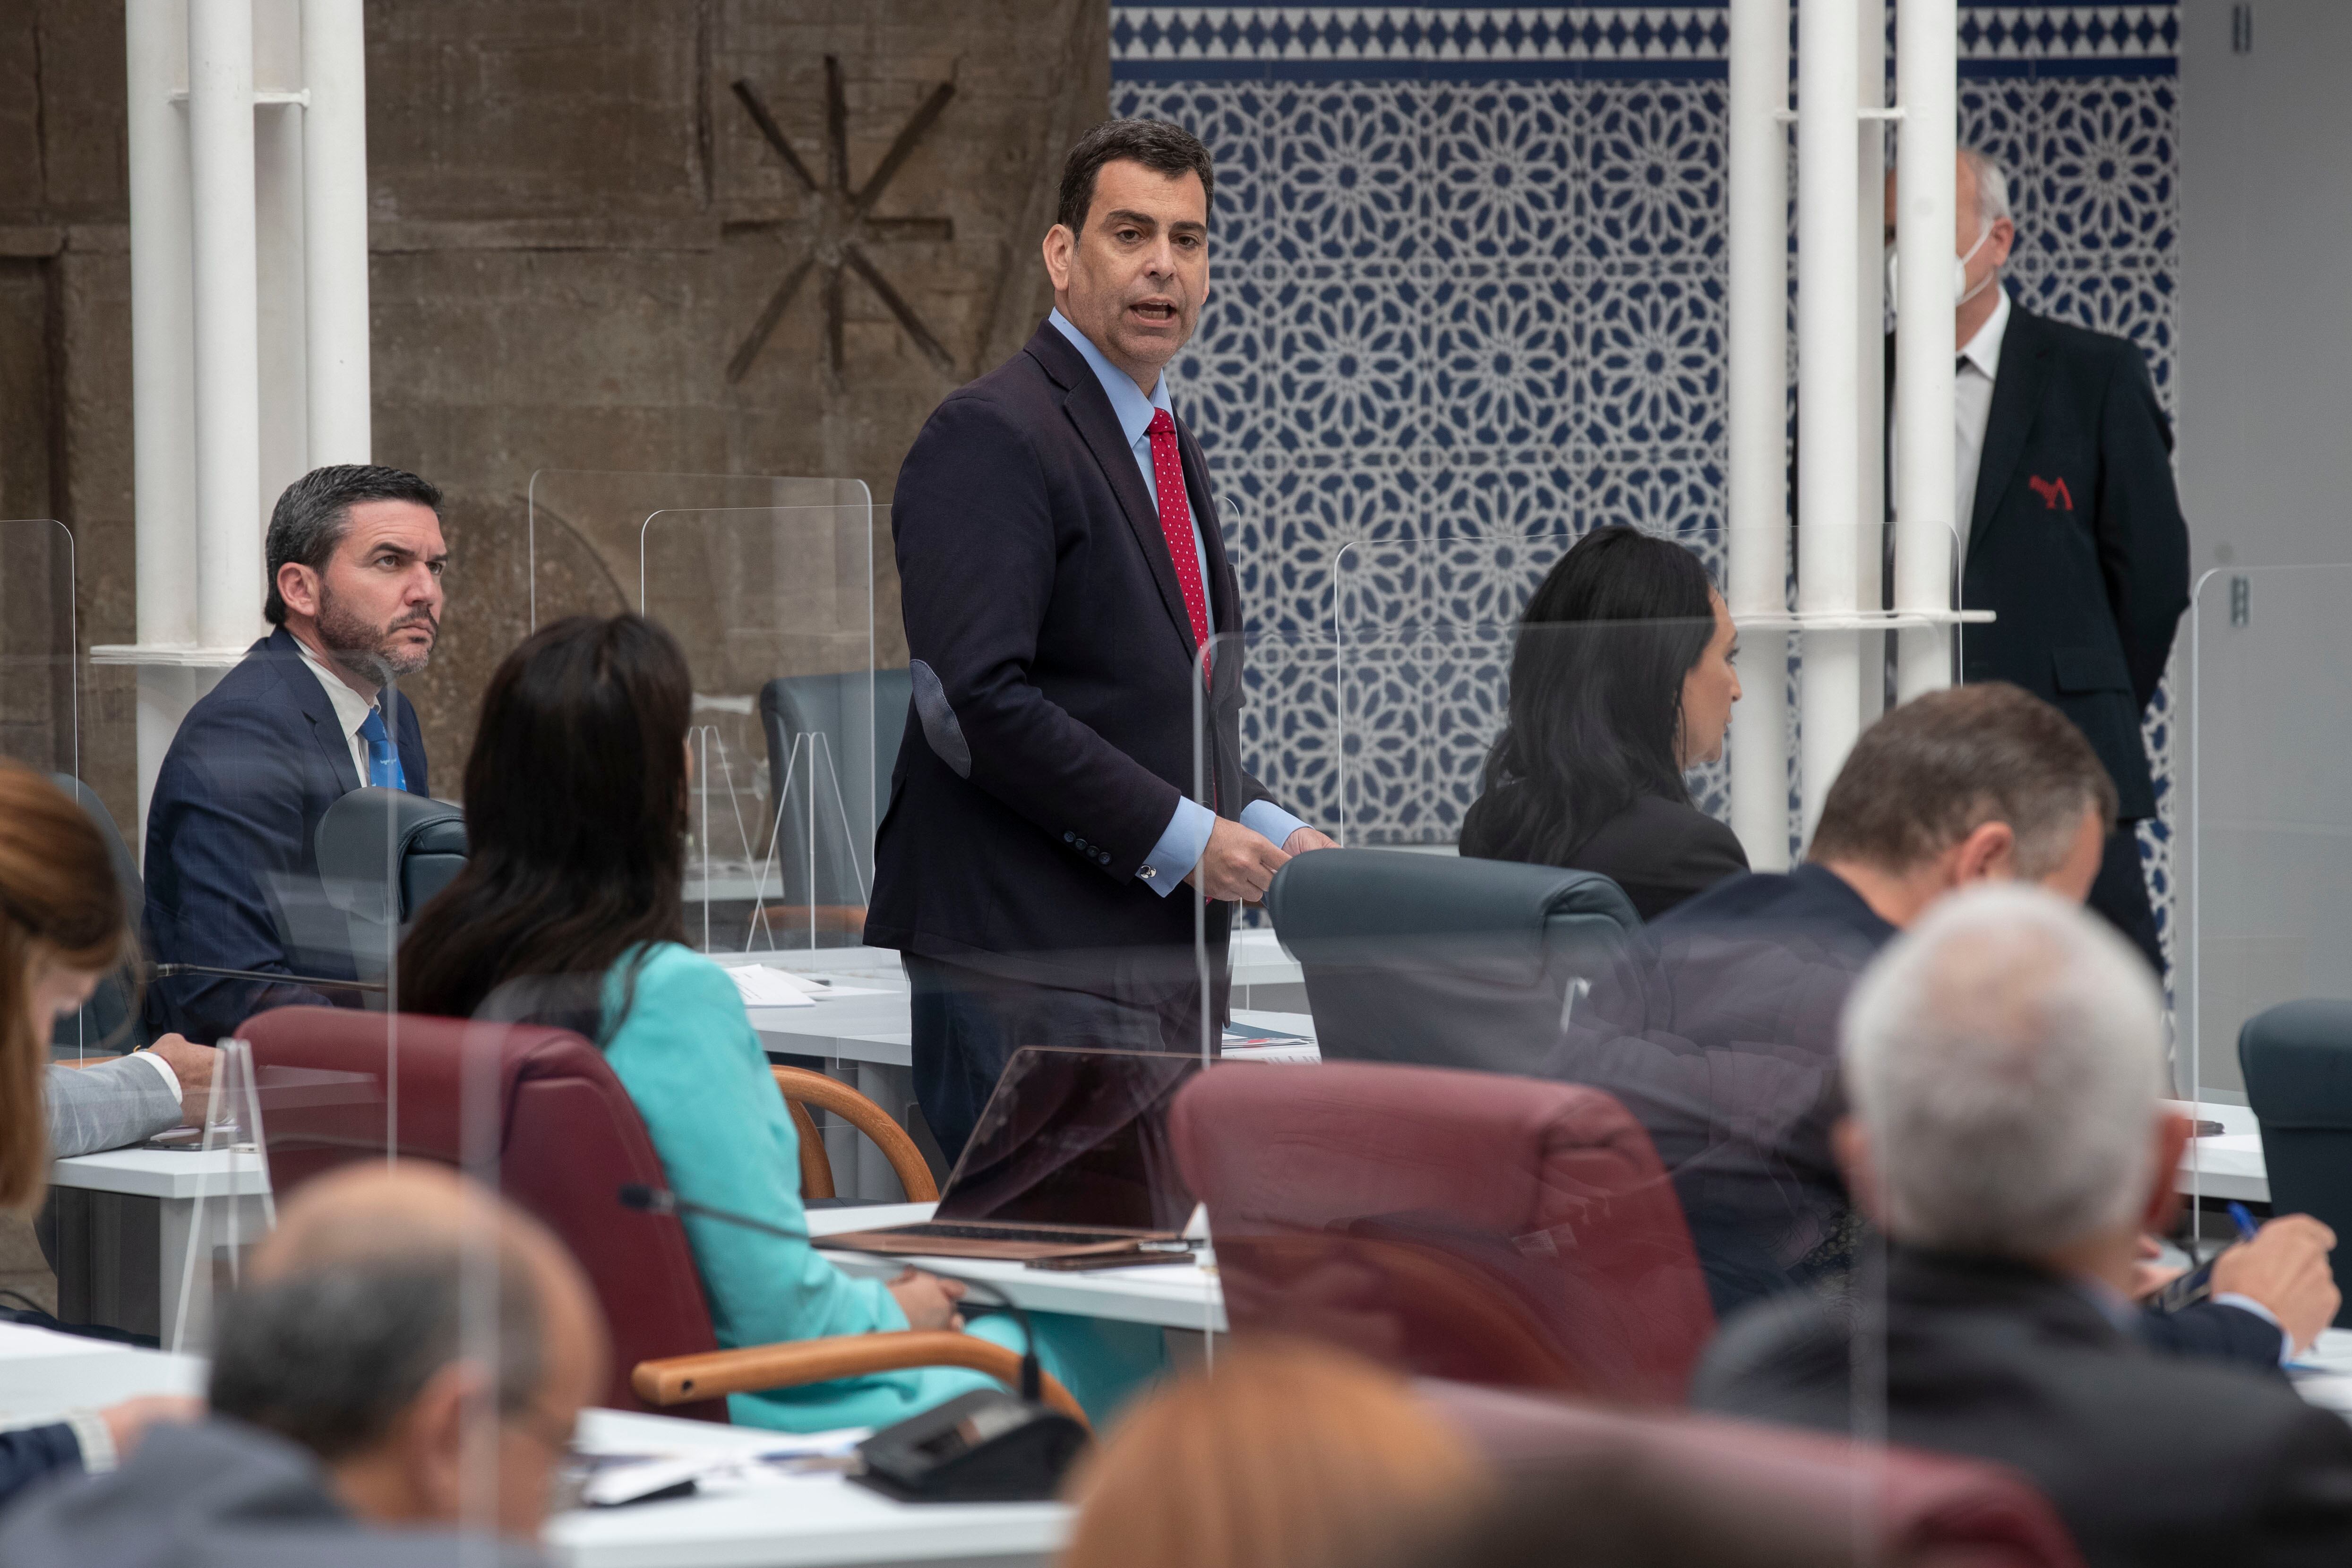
pixel 1828 483
pixel 1756 193
pixel 227 374
pixel 335 230
pixel 163 337
pixel 1927 67
pixel 1870 352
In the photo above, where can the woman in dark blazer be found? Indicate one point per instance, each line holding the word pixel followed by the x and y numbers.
pixel 1621 678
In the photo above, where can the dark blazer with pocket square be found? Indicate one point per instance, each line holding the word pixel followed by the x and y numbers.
pixel 2076 540
pixel 231 863
pixel 1057 689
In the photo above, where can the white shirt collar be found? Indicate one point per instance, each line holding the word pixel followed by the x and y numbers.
pixel 1983 350
pixel 1133 410
pixel 351 708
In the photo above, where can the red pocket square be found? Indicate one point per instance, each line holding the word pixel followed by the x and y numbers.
pixel 2055 496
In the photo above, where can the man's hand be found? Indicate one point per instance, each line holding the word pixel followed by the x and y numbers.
pixel 1306 839
pixel 194 1066
pixel 2285 1268
pixel 928 1301
pixel 128 1422
pixel 1237 864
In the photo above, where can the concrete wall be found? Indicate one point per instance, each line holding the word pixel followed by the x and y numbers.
pixel 575 225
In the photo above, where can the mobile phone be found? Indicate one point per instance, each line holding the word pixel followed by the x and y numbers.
pixel 1092 1261
pixel 2195 1286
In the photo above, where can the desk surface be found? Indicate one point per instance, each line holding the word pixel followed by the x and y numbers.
pixel 181 1173
pixel 44 1374
pixel 802 1522
pixel 1170 1295
pixel 2229 1166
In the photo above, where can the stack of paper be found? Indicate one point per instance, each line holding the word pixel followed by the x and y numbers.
pixel 762 986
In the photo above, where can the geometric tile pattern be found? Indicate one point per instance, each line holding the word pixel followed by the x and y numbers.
pixel 1467 302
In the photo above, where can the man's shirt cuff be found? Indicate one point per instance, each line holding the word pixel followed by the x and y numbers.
pixel 1270 823
pixel 171 1079
pixel 2247 1304
pixel 1180 848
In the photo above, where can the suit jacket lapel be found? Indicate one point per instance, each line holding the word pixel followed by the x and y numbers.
pixel 310 697
pixel 1090 412
pixel 2016 398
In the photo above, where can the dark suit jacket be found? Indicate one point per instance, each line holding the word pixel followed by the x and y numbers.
pixel 232 868
pixel 1052 728
pixel 2150 1459
pixel 1719 1033
pixel 2076 540
pixel 1659 852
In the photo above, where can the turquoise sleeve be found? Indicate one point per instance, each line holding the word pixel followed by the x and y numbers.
pixel 687 1054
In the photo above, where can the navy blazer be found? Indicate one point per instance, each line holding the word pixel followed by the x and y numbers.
pixel 232 869
pixel 2076 541
pixel 1054 725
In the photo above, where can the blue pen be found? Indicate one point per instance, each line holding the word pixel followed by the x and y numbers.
pixel 2243 1220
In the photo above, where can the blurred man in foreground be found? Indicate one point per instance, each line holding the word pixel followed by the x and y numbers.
pixel 395 1383
pixel 2004 1060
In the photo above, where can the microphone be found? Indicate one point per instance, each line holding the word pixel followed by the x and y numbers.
pixel 645 1199
pixel 316 982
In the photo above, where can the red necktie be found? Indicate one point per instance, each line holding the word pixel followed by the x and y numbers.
pixel 1176 523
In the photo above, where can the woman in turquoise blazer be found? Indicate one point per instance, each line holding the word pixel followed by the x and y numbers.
pixel 575 807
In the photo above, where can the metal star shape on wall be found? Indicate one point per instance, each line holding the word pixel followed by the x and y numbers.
pixel 845 224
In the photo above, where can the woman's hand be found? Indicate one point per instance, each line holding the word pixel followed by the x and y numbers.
pixel 928 1302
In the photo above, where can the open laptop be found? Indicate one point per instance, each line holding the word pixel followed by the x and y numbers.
pixel 1071 1158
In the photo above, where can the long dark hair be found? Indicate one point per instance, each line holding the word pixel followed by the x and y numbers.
pixel 1595 714
pixel 575 818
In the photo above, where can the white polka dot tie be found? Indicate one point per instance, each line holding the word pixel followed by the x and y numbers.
pixel 1176 523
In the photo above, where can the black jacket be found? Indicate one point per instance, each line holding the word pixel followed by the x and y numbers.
pixel 232 862
pixel 2076 540
pixel 1052 729
pixel 1659 852
pixel 2151 1460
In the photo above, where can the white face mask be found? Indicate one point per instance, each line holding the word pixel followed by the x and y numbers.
pixel 1961 292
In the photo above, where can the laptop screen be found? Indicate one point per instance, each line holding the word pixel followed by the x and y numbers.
pixel 1076 1137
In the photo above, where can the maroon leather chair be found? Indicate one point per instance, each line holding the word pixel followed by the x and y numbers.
pixel 1469 1226
pixel 552 1128
pixel 1836 1499
pixel 536 1111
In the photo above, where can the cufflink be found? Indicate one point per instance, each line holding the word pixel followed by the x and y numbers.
pixel 1148 872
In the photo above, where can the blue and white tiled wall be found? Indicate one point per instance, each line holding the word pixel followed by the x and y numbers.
pixel 1468 302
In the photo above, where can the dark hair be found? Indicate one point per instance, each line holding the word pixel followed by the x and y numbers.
pixel 575 817
pixel 330 1357
pixel 1162 147
pixel 310 518
pixel 1934 770
pixel 1594 713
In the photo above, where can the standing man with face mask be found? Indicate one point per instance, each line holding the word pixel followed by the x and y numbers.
pixel 1064 589
pixel 2070 527
pixel 312 712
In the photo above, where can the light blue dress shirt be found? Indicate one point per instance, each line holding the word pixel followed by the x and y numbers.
pixel 1187 834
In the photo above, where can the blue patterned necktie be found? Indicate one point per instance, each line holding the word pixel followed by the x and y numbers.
pixel 384 758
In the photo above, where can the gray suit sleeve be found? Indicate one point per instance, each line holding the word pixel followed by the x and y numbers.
pixel 107 1106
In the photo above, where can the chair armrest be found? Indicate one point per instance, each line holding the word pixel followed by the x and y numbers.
pixel 803 1087
pixel 713 1374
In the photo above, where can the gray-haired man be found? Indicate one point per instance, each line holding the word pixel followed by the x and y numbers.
pixel 2003 1061
pixel 355 556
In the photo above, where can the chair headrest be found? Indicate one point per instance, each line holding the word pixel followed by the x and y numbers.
pixel 1346 895
pixel 2297 1061
pixel 369 831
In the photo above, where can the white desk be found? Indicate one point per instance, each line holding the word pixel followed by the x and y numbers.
pixel 229 1186
pixel 803 1522
pixel 44 1374
pixel 2231 1165
pixel 1170 1295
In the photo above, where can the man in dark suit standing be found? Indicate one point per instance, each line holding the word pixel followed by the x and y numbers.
pixel 1066 592
pixel 2003 1059
pixel 2070 529
pixel 309 715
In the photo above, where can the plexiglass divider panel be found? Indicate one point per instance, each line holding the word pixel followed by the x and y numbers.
pixel 39 687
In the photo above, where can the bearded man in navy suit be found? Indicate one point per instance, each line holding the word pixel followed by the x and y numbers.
pixel 1072 751
pixel 310 714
